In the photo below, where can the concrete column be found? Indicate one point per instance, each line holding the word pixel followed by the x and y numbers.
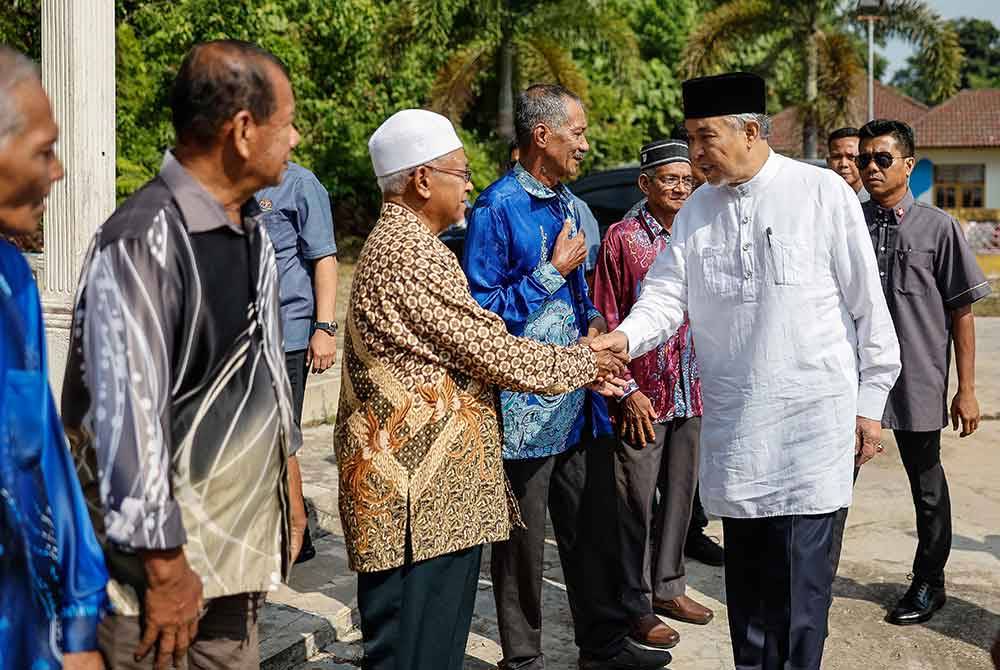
pixel 78 72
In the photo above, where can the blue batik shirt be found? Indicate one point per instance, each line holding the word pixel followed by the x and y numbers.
pixel 508 246
pixel 52 574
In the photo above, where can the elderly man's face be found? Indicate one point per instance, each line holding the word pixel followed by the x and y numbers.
pixel 277 135
pixel 669 186
pixel 28 162
pixel 843 151
pixel 567 146
pixel 718 148
pixel 449 188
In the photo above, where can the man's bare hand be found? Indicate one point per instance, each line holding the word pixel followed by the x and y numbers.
pixel 569 252
pixel 615 341
pixel 299 520
pixel 84 660
pixel 612 388
pixel 965 408
pixel 637 416
pixel 867 440
pixel 609 365
pixel 322 352
pixel 173 605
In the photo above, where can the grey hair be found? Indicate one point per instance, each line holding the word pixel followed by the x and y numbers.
pixel 740 121
pixel 14 69
pixel 394 183
pixel 541 103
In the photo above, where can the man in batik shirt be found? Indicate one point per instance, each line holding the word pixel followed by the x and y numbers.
pixel 659 418
pixel 422 488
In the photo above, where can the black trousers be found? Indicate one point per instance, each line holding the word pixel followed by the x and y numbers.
pixel 778 584
pixel 417 617
pixel 921 454
pixel 298 372
pixel 653 528
pixel 578 489
pixel 839 524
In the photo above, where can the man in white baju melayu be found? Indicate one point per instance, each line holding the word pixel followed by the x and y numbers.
pixel 773 262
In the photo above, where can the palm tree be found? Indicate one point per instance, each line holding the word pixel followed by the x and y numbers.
pixel 814 39
pixel 512 42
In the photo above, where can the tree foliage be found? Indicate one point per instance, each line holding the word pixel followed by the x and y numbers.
pixel 979 40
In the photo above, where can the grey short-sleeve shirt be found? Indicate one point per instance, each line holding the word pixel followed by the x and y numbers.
pixel 927 271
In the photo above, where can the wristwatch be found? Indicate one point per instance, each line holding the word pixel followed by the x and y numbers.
pixel 328 328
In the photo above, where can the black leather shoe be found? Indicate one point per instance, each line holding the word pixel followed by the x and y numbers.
pixel 633 656
pixel 700 547
pixel 919 604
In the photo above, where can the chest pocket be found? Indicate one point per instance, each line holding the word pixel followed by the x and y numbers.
pixel 281 231
pixel 787 261
pixel 914 272
pixel 719 271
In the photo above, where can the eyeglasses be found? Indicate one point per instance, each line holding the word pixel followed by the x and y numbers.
pixel 883 159
pixel 673 181
pixel 465 174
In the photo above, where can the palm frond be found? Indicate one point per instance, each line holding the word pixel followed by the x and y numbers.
pixel 839 72
pixel 454 90
pixel 544 59
pixel 935 39
pixel 725 29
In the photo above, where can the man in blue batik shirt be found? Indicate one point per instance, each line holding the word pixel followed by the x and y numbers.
pixel 524 258
pixel 52 573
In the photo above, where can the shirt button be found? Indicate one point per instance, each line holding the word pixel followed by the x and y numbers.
pixel 881 248
pixel 881 274
pixel 748 274
pixel 746 219
pixel 746 246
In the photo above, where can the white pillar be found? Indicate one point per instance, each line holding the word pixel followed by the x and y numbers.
pixel 78 72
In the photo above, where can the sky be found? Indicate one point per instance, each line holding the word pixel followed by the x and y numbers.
pixel 897 51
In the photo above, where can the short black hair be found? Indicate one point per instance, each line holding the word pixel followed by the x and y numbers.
pixel 541 103
pixel 841 133
pixel 902 133
pixel 215 81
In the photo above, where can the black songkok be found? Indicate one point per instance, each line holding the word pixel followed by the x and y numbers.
pixel 723 95
pixel 662 152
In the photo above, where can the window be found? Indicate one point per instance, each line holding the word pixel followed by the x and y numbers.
pixel 959 186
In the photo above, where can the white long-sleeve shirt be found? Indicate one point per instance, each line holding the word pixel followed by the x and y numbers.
pixel 791 330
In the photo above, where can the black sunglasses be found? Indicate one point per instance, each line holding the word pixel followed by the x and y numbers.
pixel 883 159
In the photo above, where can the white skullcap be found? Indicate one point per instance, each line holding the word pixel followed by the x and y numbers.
pixel 410 138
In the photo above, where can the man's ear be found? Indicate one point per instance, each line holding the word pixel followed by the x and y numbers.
pixel 541 135
pixel 244 133
pixel 752 130
pixel 909 163
pixel 644 183
pixel 422 182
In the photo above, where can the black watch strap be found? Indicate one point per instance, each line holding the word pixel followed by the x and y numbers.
pixel 330 328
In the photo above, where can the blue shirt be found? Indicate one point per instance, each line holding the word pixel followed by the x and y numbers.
pixel 52 574
pixel 511 234
pixel 592 231
pixel 300 224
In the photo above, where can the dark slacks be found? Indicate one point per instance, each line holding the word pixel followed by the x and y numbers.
pixel 839 524
pixel 778 584
pixel 298 372
pixel 921 454
pixel 417 616
pixel 578 489
pixel 653 528
pixel 227 637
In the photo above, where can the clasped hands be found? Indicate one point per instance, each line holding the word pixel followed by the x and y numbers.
pixel 611 350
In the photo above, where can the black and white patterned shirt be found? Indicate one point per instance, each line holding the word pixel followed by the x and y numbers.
pixel 176 398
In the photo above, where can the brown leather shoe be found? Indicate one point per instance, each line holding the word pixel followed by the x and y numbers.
pixel 683 609
pixel 652 632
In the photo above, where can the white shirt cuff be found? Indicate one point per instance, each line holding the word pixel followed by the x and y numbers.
pixel 871 402
pixel 631 331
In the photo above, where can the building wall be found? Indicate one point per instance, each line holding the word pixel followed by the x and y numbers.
pixel 990 157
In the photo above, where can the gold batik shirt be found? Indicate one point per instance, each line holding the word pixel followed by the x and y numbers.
pixel 417 437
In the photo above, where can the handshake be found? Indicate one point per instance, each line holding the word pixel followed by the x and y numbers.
pixel 611 350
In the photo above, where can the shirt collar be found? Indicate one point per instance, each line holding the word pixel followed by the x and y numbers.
pixel 201 211
pixel 756 183
pixel 652 226
pixel 901 209
pixel 536 188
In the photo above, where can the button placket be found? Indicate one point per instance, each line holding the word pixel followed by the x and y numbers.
pixel 749 285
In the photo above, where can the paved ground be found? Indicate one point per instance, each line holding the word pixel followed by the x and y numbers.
pixel 877 552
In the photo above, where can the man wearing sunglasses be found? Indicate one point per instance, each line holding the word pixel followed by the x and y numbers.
pixel 930 279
